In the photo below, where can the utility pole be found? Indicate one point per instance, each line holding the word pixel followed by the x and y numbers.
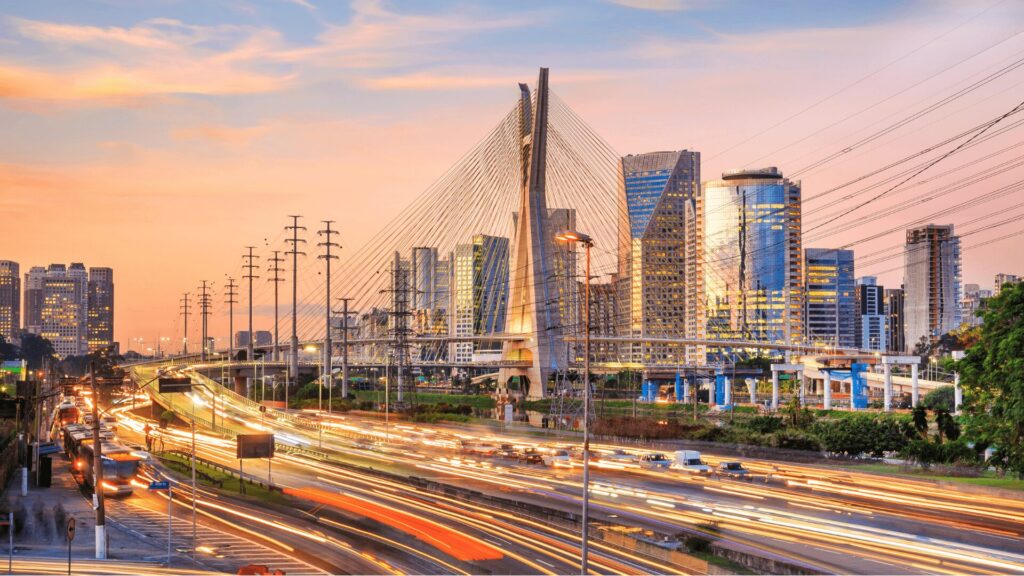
pixel 249 267
pixel 97 466
pixel 275 268
pixel 399 320
pixel 327 244
pixel 184 308
pixel 345 312
pixel 229 299
pixel 293 371
pixel 204 310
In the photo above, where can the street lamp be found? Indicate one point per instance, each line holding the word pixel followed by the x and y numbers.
pixel 311 349
pixel 572 237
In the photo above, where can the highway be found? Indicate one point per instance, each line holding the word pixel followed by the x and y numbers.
pixel 836 521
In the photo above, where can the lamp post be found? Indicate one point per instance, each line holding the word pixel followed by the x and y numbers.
pixel 579 237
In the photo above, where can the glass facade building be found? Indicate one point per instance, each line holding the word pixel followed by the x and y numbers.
pixel 479 293
pixel 660 275
pixel 752 257
pixel 101 308
pixel 10 299
pixel 831 313
pixel 871 325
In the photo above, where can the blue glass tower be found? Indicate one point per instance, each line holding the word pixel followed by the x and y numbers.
pixel 831 299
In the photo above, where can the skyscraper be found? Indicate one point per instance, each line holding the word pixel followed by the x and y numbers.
pixel 479 292
pixel 753 263
pixel 64 309
pixel 972 302
pixel 34 281
pixel 831 305
pixel 660 273
pixel 101 308
pixel 895 327
pixel 931 283
pixel 10 299
pixel 871 320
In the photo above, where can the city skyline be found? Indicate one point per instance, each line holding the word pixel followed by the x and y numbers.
pixel 241 165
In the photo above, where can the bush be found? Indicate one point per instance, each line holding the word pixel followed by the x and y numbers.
pixel 764 424
pixel 940 398
pixel 857 434
pixel 794 440
pixel 926 452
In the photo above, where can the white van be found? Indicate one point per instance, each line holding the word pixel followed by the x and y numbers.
pixel 690 461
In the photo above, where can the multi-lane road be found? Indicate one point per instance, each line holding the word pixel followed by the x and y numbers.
pixel 835 521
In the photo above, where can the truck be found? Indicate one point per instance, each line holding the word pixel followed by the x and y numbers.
pixel 689 461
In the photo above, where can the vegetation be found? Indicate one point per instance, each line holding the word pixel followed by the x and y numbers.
pixel 221 480
pixel 993 379
pixel 940 398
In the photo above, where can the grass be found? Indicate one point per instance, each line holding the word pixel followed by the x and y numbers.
pixel 988 478
pixel 478 401
pixel 219 480
pixel 733 567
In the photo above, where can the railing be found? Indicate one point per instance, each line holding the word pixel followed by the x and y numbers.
pixel 232 472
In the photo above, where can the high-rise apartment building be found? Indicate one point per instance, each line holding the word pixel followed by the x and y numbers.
pixel 10 299
pixel 830 316
pixel 931 283
pixel 479 293
pixel 64 313
pixel 752 257
pixel 660 268
pixel 972 302
pixel 33 317
pixel 101 308
pixel 1002 280
pixel 871 320
pixel 895 326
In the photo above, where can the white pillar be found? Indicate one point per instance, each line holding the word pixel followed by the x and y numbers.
pixel 828 390
pixel 686 390
pixel 728 391
pixel 101 542
pixel 958 393
pixel 915 391
pixel 800 377
pixel 775 389
pixel 752 388
pixel 887 391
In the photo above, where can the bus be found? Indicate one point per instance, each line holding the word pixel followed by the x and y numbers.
pixel 120 466
pixel 67 413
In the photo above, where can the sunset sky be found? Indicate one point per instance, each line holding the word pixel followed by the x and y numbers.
pixel 160 138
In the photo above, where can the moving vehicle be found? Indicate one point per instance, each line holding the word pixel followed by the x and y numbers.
pixel 558 458
pixel 120 465
pixel 531 456
pixel 655 462
pixel 617 456
pixel 506 451
pixel 733 470
pixel 67 413
pixel 690 461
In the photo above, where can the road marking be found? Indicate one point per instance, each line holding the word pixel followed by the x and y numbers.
pixel 549 565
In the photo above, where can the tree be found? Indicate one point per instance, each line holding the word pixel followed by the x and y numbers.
pixel 992 373
pixel 920 415
pixel 34 349
pixel 940 398
pixel 8 351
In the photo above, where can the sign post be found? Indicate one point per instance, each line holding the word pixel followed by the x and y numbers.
pixel 156 485
pixel 253 446
pixel 71 536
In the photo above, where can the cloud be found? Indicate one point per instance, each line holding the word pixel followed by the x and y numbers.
pixel 470 79
pixel 220 134
pixel 657 5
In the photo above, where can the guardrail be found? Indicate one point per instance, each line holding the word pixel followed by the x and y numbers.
pixel 232 472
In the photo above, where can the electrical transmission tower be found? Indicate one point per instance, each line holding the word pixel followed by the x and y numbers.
pixel 327 244
pixel 184 312
pixel 274 267
pixel 249 267
pixel 400 315
pixel 345 313
pixel 204 310
pixel 293 370
pixel 567 407
pixel 229 299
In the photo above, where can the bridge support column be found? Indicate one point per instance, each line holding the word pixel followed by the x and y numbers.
pixel 775 389
pixel 915 386
pixel 728 390
pixel 887 389
pixel 828 390
pixel 958 393
pixel 752 389
pixel 240 385
pixel 686 390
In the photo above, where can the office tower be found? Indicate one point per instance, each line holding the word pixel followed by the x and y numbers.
pixel 1002 280
pixel 33 318
pixel 931 283
pixel 753 263
pixel 263 338
pixel 660 266
pixel 101 308
pixel 479 293
pixel 830 316
pixel 63 314
pixel 871 320
pixel 10 299
pixel 424 268
pixel 895 328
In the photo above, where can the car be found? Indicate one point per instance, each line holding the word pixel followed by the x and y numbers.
pixel 732 470
pixel 690 461
pixel 655 462
pixel 558 458
pixel 531 456
pixel 506 451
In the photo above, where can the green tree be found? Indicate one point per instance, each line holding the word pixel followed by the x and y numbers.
pixel 8 351
pixel 34 349
pixel 993 378
pixel 920 416
pixel 940 398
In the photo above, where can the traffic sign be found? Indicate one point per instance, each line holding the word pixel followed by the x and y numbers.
pixel 160 485
pixel 170 385
pixel 71 529
pixel 254 446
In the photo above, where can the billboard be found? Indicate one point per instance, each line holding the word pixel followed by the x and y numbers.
pixel 171 385
pixel 254 446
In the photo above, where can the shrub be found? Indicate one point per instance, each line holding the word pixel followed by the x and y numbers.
pixel 764 424
pixel 857 434
pixel 794 440
pixel 940 398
